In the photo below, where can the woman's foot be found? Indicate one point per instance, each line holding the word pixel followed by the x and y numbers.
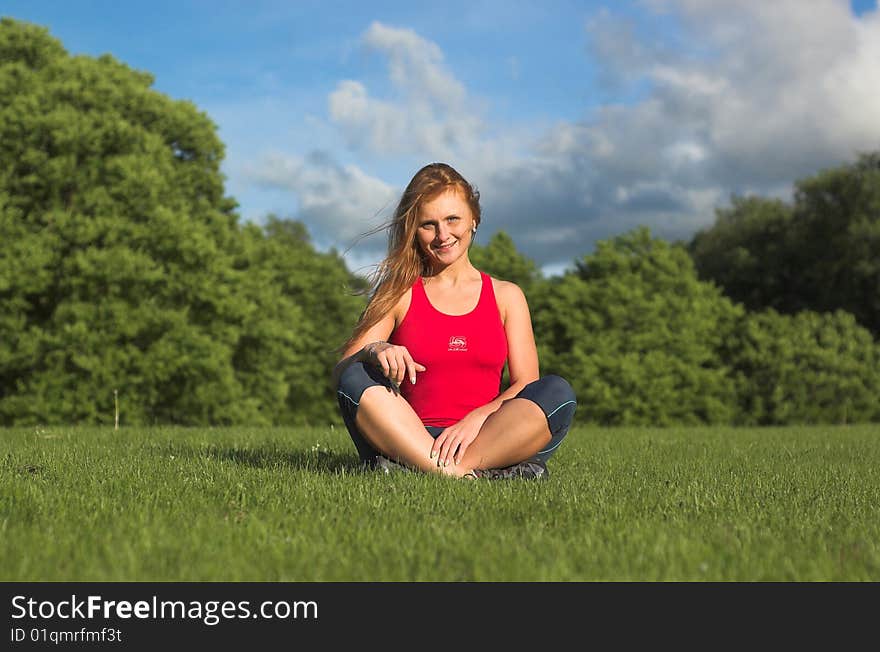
pixel 532 469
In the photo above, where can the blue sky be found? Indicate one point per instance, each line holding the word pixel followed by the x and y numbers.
pixel 577 120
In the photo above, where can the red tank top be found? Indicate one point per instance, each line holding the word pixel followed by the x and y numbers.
pixel 464 356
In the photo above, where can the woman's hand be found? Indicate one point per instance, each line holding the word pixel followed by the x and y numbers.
pixel 395 361
pixel 451 444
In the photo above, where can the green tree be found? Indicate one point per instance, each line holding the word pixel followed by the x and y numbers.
pixel 122 264
pixel 820 253
pixel 804 368
pixel 325 295
pixel 750 253
pixel 638 335
pixel 838 248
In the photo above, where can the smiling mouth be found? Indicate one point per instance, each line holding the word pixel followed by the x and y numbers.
pixel 446 246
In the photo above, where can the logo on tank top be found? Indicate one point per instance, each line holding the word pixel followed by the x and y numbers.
pixel 457 343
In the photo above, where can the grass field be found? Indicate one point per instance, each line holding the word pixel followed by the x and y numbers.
pixel 290 504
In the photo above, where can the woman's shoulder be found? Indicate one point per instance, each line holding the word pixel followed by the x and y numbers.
pixel 506 289
pixel 508 295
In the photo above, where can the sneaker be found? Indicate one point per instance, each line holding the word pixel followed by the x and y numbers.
pixel 384 465
pixel 529 470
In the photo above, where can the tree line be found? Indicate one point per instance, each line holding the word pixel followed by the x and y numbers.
pixel 125 267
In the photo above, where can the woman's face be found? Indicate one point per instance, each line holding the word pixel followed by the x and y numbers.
pixel 445 228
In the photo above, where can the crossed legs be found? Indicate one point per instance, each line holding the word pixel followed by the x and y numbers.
pixel 515 432
pixel 380 420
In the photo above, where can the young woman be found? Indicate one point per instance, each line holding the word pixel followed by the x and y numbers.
pixel 420 377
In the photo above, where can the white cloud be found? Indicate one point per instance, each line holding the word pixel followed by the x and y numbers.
pixel 430 112
pixel 766 93
pixel 339 203
pixel 416 64
pixel 788 86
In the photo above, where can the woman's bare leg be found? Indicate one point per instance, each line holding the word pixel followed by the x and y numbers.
pixel 392 427
pixel 513 433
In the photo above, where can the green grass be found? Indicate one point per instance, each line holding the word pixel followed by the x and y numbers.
pixel 291 504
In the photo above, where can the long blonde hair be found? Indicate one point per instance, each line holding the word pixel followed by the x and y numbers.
pixel 404 262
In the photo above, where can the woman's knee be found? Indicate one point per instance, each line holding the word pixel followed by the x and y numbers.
pixel 559 388
pixel 357 377
pixel 550 392
pixel 353 382
pixel 556 398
